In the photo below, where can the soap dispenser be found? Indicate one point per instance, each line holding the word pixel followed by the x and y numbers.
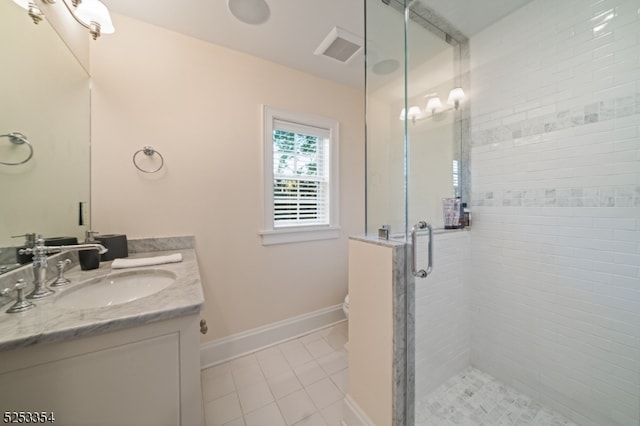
pixel 89 259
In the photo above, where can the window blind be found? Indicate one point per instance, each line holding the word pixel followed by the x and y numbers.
pixel 300 174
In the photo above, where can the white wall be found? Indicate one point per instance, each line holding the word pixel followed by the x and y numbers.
pixel 556 206
pixel 200 106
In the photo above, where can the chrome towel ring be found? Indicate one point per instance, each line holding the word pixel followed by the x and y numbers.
pixel 148 151
pixel 18 139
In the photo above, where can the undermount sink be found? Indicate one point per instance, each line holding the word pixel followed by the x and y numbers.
pixel 116 288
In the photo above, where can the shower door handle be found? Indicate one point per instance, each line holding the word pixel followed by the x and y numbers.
pixel 414 253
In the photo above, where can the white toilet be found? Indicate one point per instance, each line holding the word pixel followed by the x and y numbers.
pixel 345 306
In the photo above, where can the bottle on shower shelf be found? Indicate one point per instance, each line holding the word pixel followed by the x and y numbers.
pixel 466 216
pixel 451 210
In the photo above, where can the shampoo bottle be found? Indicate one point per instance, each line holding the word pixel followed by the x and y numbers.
pixel 89 259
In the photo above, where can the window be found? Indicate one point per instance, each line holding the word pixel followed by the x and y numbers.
pixel 456 176
pixel 300 177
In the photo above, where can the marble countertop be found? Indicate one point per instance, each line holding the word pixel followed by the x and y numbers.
pixel 48 322
pixel 398 239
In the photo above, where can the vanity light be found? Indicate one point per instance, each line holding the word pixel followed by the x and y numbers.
pixel 34 11
pixel 94 15
pixel 91 14
pixel 456 95
pixel 434 105
pixel 414 113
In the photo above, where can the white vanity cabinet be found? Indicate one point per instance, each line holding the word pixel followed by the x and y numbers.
pixel 143 375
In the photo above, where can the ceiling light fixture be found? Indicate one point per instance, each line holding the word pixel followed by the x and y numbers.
pixel 253 12
pixel 91 14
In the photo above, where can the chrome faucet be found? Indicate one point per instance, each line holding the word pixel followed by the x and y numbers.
pixel 40 252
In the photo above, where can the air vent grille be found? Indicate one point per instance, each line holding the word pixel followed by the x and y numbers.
pixel 340 45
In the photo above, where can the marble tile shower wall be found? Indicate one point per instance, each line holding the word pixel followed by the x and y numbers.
pixel 532 125
pixel 550 176
pixel 555 293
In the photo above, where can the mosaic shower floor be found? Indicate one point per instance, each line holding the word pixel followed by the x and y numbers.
pixel 474 398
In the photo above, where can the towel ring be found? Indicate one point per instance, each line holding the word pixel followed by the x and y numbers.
pixel 148 151
pixel 18 139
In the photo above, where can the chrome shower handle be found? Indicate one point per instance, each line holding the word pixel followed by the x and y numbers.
pixel 414 240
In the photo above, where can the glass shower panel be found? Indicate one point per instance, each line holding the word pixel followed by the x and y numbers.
pixel 385 87
pixel 433 144
pixel 434 148
pixel 413 152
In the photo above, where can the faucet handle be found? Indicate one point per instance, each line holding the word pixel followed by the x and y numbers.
pixel 27 250
pixel 61 280
pixel 34 243
pixel 21 304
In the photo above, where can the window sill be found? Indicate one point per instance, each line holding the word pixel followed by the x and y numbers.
pixel 298 234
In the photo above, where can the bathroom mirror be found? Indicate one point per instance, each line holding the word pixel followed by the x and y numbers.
pixel 45 95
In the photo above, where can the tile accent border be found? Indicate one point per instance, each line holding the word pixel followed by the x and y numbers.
pixel 604 196
pixel 604 110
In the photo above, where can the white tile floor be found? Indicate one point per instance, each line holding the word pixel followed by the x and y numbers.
pixel 304 381
pixel 474 398
pixel 299 382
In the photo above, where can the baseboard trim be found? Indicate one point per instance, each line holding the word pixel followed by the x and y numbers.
pixel 237 345
pixel 352 414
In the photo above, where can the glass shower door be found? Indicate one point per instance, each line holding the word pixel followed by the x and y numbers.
pixel 414 161
pixel 435 147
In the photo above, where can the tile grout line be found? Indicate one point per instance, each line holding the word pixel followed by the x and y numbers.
pixel 254 359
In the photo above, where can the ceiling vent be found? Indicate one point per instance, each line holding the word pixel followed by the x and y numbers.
pixel 340 45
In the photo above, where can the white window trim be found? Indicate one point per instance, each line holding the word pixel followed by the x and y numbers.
pixel 291 234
